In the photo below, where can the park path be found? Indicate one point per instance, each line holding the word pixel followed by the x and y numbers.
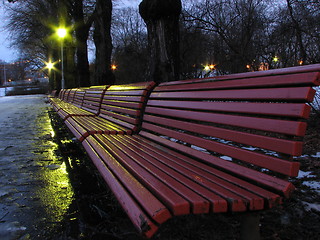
pixel 35 190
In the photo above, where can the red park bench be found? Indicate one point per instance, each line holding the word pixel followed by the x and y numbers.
pixel 217 145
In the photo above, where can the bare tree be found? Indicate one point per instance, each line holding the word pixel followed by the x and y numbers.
pixel 103 43
pixel 130 42
pixel 162 19
pixel 83 16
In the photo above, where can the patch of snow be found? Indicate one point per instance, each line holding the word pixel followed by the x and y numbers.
pixel 226 158
pixel 311 206
pixel 250 148
pixel 314 185
pixel 199 148
pixel 303 174
pixel 302 156
pixel 173 140
pixel 317 155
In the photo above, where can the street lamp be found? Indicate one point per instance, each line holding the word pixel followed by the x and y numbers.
pixel 62 33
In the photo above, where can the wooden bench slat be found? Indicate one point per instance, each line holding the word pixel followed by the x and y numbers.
pixel 178 205
pixel 82 126
pixel 210 173
pixel 198 203
pixel 136 214
pixel 273 109
pixel 238 198
pixel 285 94
pixel 102 125
pixel 281 145
pixel 121 110
pixel 271 125
pixel 278 185
pixel 126 93
pixel 305 75
pixel 261 160
pixel 123 104
pixel 132 86
pixel 124 98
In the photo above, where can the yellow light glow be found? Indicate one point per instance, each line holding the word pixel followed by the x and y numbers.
pixel 50 65
pixel 114 67
pixel 62 32
pixel 207 68
pixel 275 59
pixel 212 66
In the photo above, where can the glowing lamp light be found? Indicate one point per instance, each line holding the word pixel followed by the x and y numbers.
pixel 212 66
pixel 114 67
pixel 62 32
pixel 275 59
pixel 209 67
pixel 50 65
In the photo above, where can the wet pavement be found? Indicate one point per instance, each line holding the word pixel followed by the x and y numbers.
pixel 35 190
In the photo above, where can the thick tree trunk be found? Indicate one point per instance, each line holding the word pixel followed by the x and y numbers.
pixel 82 33
pixel 103 43
pixel 162 19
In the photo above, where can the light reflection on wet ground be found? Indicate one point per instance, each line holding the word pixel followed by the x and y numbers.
pixel 35 190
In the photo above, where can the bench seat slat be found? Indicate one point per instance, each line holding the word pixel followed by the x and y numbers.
pixel 69 112
pixel 278 185
pixel 82 127
pixel 125 192
pixel 198 204
pixel 192 177
pixel 208 172
pixel 177 204
pixel 166 174
pixel 101 125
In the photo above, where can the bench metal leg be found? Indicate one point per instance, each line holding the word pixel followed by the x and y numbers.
pixel 250 229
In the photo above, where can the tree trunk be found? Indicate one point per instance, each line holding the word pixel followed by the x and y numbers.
pixel 162 19
pixel 82 33
pixel 103 43
pixel 298 32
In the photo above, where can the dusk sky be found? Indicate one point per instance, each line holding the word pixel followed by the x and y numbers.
pixel 9 54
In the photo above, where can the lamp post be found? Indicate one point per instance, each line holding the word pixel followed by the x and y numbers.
pixel 62 32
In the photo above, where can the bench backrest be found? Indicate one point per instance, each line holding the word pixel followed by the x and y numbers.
pixel 124 104
pixel 92 98
pixel 79 96
pixel 61 94
pixel 71 95
pixel 249 125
